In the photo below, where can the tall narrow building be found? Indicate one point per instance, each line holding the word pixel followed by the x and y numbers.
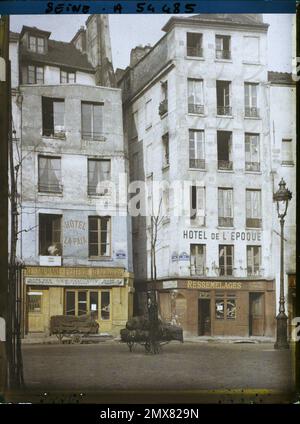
pixel 198 111
pixel 67 117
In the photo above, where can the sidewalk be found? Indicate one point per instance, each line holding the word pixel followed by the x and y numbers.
pixel 41 338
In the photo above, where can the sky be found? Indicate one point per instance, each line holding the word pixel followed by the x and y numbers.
pixel 127 32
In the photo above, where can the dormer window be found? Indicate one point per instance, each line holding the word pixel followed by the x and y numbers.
pixel 37 44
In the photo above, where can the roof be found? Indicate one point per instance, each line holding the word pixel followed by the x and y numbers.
pixel 60 53
pixel 13 36
pixel 247 20
pixel 34 30
pixel 280 78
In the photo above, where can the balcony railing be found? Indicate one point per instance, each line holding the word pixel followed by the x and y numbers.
pixel 225 221
pixel 224 110
pixel 95 136
pixel 253 271
pixel 251 112
pixel 50 188
pixel 198 270
pixel 253 222
pixel 196 108
pixel 194 51
pixel 252 166
pixel 223 54
pixel 225 165
pixel 163 107
pixel 93 191
pixel 197 163
pixel 56 133
pixel 226 271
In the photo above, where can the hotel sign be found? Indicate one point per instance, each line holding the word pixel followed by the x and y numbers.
pixel 221 285
pixel 224 235
pixel 73 282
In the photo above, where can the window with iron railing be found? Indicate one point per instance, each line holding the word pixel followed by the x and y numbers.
pixel 92 121
pixel 253 208
pixel 197 259
pixel 252 152
pixel 223 98
pixel 195 96
pixel 223 47
pixel 225 259
pixel 194 44
pixel 224 146
pixel 253 260
pixel 196 149
pixel 251 92
pixel 225 207
pixel 163 106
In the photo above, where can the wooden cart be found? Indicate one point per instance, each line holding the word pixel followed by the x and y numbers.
pixel 73 329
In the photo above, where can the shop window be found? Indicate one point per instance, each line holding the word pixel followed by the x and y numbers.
pixel 197 204
pixel 226 259
pixel 94 304
pixel 165 142
pixel 36 44
pixel 223 47
pixel 194 44
pixel 163 106
pixel 70 303
pixel 35 74
pixel 253 208
pixel 92 121
pixel 105 305
pixel 253 260
pixel 34 302
pixel 49 174
pixel 67 77
pixel 99 171
pixel 195 96
pixel 196 149
pixel 225 207
pixel 53 111
pixel 197 255
pixel 50 235
pixel 252 156
pixel 224 147
pixel 82 303
pixel 251 109
pixel 99 236
pixel 223 98
pixel 225 306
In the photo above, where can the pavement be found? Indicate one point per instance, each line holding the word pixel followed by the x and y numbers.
pixel 41 338
pixel 188 372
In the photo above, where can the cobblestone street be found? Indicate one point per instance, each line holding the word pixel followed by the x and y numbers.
pixel 189 366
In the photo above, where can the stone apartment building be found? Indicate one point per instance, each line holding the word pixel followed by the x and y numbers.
pixel 201 106
pixel 68 136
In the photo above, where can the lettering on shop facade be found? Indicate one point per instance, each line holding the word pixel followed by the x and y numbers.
pixel 222 285
pixel 249 236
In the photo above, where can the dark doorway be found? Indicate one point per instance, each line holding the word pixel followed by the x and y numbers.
pixel 204 325
pixel 256 314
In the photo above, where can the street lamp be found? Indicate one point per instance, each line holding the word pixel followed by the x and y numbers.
pixel 281 197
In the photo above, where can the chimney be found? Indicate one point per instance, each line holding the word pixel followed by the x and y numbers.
pixel 138 53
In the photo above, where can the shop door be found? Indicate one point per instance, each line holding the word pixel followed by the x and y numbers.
pixel 204 326
pixel 180 310
pixel 256 314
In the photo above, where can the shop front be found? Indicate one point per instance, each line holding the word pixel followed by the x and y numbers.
pixel 219 308
pixel 105 293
